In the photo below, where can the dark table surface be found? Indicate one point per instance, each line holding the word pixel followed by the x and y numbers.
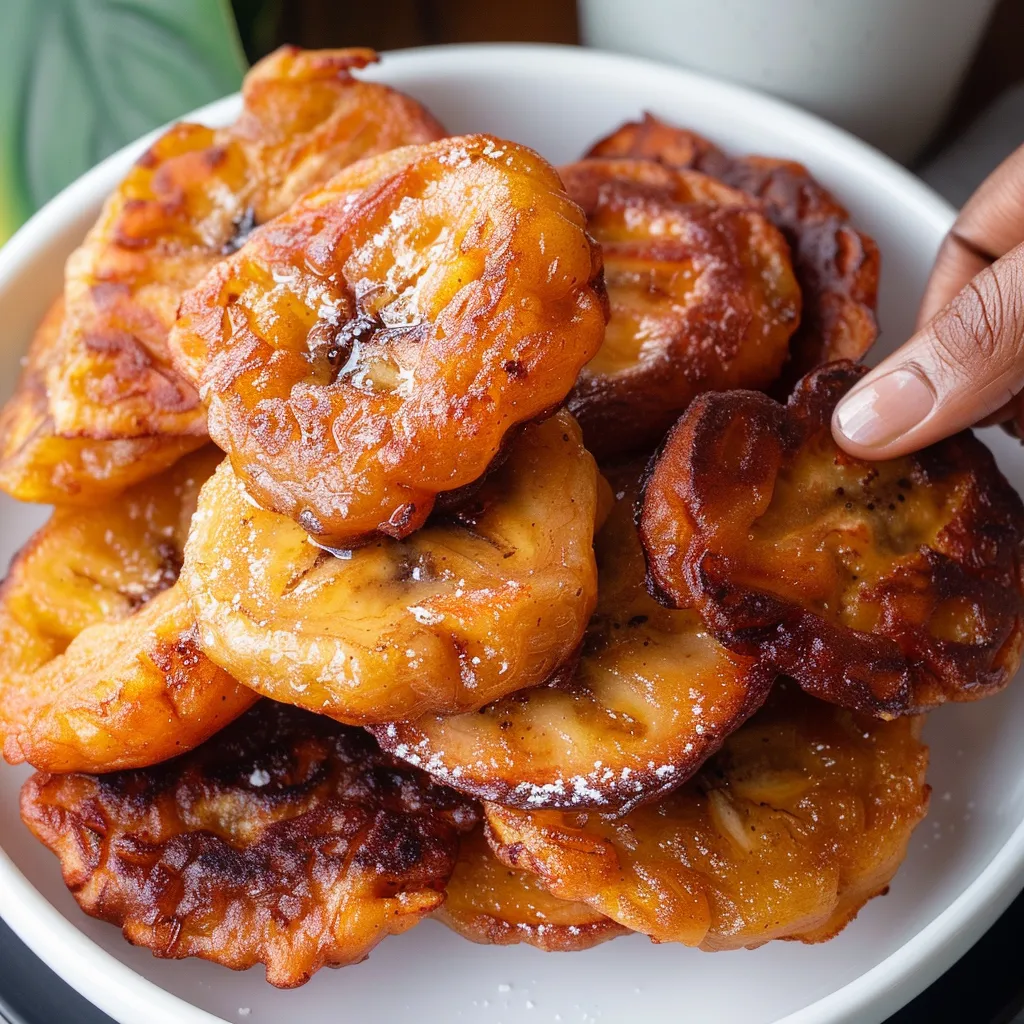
pixel 985 987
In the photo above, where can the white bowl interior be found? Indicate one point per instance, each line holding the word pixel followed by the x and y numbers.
pixel 559 101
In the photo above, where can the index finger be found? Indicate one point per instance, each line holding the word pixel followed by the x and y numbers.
pixel 989 226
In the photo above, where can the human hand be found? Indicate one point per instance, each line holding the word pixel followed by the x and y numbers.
pixel 965 364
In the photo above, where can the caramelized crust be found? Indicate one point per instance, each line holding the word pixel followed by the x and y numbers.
pixel 490 903
pixel 837 267
pixel 701 291
pixel 99 664
pixel 373 347
pixel 653 695
pixel 800 819
pixel 286 840
pixel 38 465
pixel 486 599
pixel 889 587
pixel 189 201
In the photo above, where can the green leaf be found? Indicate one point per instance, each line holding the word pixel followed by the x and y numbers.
pixel 80 78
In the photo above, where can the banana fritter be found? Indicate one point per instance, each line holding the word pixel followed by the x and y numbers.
pixel 38 465
pixel 190 200
pixel 106 402
pixel 286 840
pixel 701 291
pixel 653 695
pixel 373 347
pixel 888 587
pixel 99 664
pixel 837 267
pixel 493 904
pixel 486 599
pixel 800 819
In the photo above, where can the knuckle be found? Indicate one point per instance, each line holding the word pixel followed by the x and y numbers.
pixel 981 317
pixel 982 328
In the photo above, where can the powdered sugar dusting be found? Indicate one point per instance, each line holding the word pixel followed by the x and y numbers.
pixel 603 787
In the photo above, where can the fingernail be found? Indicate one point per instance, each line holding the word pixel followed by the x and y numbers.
pixel 885 409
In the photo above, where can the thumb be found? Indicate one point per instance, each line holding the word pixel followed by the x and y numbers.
pixel 964 365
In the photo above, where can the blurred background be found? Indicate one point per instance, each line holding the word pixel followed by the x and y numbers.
pixel 80 78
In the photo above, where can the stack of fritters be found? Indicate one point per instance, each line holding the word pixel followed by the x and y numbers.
pixel 522 584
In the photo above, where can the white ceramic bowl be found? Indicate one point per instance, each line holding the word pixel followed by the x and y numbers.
pixel 965 863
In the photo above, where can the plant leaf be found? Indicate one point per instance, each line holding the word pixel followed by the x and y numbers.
pixel 80 78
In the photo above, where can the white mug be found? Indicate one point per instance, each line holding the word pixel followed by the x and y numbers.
pixel 885 69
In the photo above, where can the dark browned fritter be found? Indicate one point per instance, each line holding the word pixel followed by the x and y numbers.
pixel 286 840
pixel 836 265
pixel 888 587
pixel 701 293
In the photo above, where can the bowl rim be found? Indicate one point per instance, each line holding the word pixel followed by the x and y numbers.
pixel 125 994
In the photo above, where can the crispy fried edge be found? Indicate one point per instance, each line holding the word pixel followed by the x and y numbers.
pixel 834 662
pixel 49 823
pixel 611 407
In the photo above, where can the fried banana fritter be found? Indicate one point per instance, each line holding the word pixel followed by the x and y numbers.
pixel 488 598
pixel 888 587
pixel 652 697
pixel 800 819
pixel 286 840
pixel 99 664
pixel 103 405
pixel 306 117
pixel 38 465
pixel 837 267
pixel 190 200
pixel 121 695
pixel 490 903
pixel 373 348
pixel 702 297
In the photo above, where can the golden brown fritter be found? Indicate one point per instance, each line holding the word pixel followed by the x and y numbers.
pixel 701 291
pixel 286 840
pixel 653 695
pixel 306 117
pixel 490 903
pixel 99 664
pixel 800 819
pixel 37 465
pixel 374 347
pixel 189 201
pixel 837 267
pixel 888 587
pixel 484 600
